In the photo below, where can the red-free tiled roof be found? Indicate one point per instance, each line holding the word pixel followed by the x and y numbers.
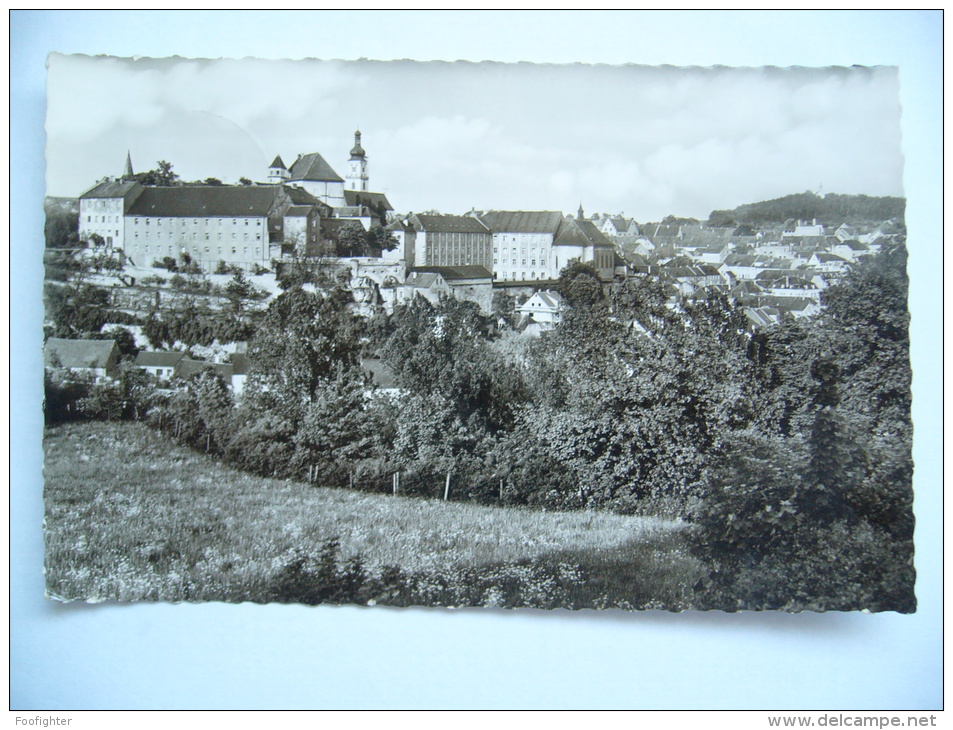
pixel 314 167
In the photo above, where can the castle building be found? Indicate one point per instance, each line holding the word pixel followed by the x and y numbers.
pixel 351 198
pixel 240 225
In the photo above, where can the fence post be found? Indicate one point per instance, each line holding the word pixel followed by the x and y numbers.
pixel 446 489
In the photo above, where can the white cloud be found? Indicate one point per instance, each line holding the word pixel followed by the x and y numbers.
pixel 646 141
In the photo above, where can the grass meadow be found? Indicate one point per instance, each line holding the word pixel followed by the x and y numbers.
pixel 131 516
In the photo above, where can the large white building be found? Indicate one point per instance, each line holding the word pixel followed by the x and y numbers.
pixel 523 243
pixel 533 246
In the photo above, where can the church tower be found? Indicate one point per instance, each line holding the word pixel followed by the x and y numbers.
pixel 357 166
pixel 277 172
pixel 127 173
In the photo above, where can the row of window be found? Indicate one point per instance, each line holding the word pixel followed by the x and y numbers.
pixel 506 262
pixel 519 276
pixel 102 219
pixel 195 221
pixel 195 235
pixel 533 238
pixel 522 251
pixel 159 250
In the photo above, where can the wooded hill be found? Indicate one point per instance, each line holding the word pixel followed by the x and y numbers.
pixel 831 210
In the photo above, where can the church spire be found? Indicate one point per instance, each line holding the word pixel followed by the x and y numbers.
pixel 357 152
pixel 127 173
pixel 580 215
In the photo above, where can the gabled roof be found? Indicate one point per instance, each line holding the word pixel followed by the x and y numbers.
pixel 398 225
pixel 759 316
pixel 422 280
pixel 448 224
pixel 58 352
pixel 454 273
pixel 574 232
pixel 549 298
pixel 314 167
pixel 158 359
pixel 522 221
pixel 299 210
pixel 207 201
pixel 111 189
pixel 188 367
pixel 854 245
pixel 300 196
pixel 363 197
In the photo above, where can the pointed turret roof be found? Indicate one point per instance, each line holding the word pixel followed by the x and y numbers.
pixel 127 172
pixel 277 163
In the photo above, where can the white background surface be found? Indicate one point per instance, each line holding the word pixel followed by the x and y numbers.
pixel 281 657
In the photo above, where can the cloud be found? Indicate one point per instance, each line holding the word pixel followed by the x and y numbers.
pixel 641 140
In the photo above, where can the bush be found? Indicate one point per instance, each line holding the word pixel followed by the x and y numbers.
pixel 167 262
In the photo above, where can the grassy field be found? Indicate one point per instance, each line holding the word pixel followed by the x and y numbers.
pixel 130 516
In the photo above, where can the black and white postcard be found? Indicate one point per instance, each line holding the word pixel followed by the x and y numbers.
pixel 476 334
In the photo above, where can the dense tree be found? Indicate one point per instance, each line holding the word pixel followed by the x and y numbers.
pixel 380 239
pixel 580 285
pixel 239 290
pixel 161 176
pixel 443 349
pixel 303 338
pixel 61 229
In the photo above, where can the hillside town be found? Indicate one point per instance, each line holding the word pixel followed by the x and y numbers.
pixel 744 378
pixel 306 211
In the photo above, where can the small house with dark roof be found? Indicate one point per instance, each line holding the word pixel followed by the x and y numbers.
pixel 452 240
pixel 546 307
pixel 96 358
pixel 187 367
pixel 159 364
pixel 850 250
pixel 467 283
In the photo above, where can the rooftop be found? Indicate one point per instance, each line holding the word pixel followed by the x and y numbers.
pixel 110 189
pixel 448 224
pixel 65 353
pixel 206 201
pixel 315 168
pixel 522 221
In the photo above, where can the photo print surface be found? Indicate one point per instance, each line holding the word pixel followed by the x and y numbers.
pixel 460 334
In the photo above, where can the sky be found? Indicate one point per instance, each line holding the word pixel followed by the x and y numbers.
pixel 640 140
